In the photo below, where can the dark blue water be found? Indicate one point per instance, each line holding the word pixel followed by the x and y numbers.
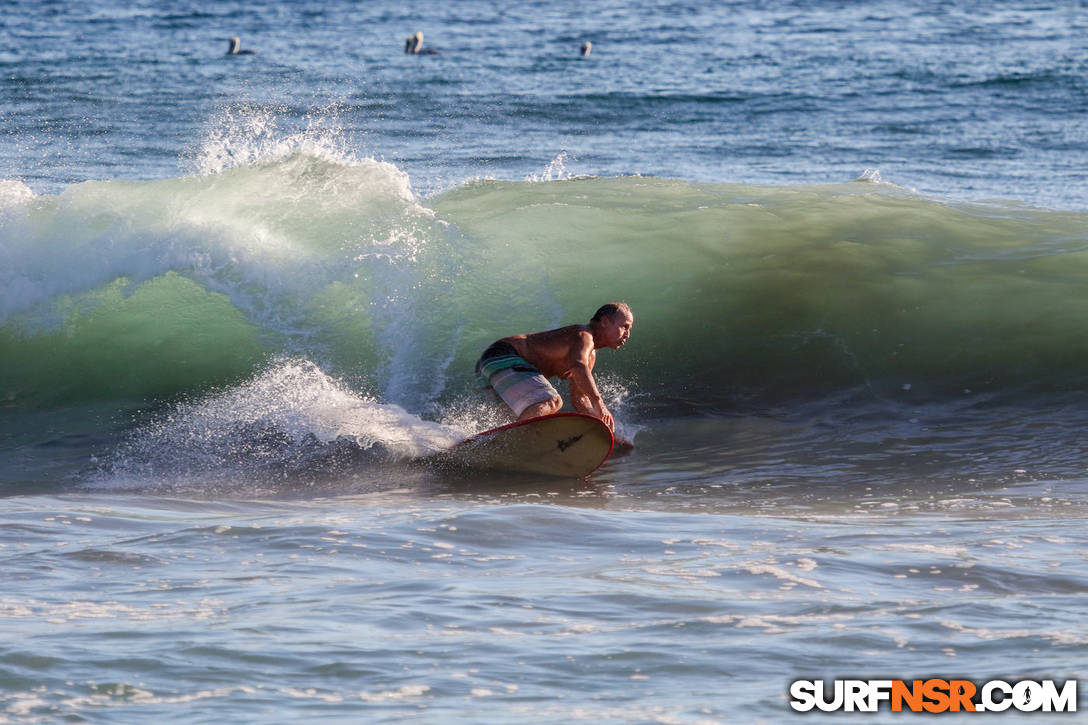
pixel 241 296
pixel 965 100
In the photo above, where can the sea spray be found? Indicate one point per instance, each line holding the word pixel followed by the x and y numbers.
pixel 247 133
pixel 288 420
pixel 303 254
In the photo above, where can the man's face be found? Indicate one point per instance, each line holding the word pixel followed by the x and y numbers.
pixel 617 329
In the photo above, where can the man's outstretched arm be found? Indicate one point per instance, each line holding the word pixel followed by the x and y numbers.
pixel 584 395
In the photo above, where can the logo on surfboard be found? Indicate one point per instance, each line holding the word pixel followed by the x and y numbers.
pixel 565 444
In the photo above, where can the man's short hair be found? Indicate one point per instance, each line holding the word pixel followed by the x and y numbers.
pixel 609 310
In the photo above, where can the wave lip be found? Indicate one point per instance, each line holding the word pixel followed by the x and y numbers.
pixel 739 289
pixel 135 289
pixel 157 289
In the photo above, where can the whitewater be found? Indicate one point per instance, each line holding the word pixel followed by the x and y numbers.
pixel 241 298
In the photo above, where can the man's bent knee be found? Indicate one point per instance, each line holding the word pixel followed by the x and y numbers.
pixel 546 407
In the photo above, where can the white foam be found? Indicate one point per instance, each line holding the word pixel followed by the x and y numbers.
pixel 14 193
pixel 404 692
pixel 293 403
pixel 780 573
pixel 1058 638
pixel 954 551
pixel 61 612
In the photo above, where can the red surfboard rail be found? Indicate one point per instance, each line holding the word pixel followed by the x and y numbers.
pixel 561 444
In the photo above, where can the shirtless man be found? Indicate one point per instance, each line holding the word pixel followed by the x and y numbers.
pixel 518 367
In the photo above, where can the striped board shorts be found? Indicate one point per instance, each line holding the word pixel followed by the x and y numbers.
pixel 517 382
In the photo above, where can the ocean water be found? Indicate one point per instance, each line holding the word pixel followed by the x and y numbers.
pixel 241 298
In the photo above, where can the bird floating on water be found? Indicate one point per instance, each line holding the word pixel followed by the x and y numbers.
pixel 236 47
pixel 414 46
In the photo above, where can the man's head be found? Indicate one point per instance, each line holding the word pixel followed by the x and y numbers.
pixel 611 325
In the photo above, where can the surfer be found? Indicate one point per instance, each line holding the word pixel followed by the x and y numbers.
pixel 518 367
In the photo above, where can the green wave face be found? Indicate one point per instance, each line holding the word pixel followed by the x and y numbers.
pixel 146 290
pixel 740 288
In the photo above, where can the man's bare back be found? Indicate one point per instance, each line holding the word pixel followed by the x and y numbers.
pixel 518 366
pixel 550 351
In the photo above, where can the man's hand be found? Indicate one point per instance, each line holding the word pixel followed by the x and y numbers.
pixel 606 418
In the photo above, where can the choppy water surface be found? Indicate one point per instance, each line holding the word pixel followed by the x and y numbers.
pixel 546 602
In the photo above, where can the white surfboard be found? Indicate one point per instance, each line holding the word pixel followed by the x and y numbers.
pixel 562 444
